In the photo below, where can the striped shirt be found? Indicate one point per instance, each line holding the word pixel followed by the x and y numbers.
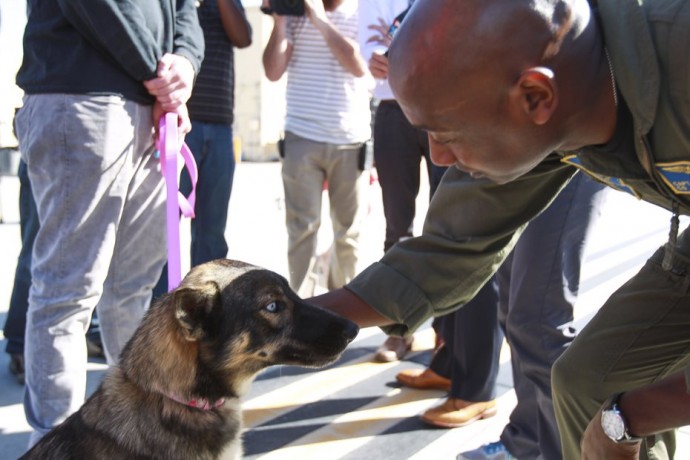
pixel 212 98
pixel 325 103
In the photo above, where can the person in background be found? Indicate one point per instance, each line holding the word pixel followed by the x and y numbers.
pixel 398 146
pixel 107 71
pixel 327 124
pixel 211 111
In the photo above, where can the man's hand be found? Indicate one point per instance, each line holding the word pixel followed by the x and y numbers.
pixel 596 445
pixel 382 35
pixel 184 124
pixel 173 86
pixel 378 66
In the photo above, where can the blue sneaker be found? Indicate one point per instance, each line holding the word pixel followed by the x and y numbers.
pixel 492 451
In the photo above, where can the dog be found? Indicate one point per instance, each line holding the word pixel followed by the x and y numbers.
pixel 175 393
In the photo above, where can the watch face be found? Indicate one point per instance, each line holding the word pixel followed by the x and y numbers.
pixel 613 425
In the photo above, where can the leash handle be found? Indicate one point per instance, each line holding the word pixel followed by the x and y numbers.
pixel 169 149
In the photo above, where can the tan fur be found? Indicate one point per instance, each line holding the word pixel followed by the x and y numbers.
pixel 204 342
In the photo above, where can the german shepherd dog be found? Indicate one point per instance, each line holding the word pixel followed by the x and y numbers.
pixel 175 393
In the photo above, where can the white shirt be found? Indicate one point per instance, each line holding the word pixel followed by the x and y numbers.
pixel 369 13
pixel 325 103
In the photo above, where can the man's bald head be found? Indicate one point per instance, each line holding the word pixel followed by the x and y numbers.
pixel 463 65
pixel 443 42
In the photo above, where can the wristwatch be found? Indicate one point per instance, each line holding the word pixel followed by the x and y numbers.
pixel 614 424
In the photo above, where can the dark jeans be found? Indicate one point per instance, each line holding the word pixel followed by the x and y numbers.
pixel 19 301
pixel 212 146
pixel 15 324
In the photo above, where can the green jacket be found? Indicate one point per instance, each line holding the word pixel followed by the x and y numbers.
pixel 472 225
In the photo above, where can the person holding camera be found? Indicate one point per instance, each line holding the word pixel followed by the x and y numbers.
pixel 327 124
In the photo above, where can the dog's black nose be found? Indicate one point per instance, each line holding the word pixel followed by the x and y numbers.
pixel 350 331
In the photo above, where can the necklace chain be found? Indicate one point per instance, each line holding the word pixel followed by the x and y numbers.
pixel 613 78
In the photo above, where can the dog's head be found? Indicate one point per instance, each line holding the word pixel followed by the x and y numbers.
pixel 246 318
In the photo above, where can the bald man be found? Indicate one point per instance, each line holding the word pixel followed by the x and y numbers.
pixel 521 95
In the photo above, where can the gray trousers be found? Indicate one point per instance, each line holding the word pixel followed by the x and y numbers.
pixel 101 243
pixel 639 336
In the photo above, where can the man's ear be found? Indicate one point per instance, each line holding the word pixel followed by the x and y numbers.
pixel 535 93
pixel 192 307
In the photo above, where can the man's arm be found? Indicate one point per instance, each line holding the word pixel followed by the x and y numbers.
pixel 278 50
pixel 235 23
pixel 347 304
pixel 344 49
pixel 647 410
pixel 176 71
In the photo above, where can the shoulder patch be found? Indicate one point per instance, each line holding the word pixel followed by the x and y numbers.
pixel 613 182
pixel 676 175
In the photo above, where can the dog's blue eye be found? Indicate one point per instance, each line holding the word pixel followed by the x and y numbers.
pixel 272 307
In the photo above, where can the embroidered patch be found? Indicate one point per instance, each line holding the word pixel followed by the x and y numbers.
pixel 676 175
pixel 613 182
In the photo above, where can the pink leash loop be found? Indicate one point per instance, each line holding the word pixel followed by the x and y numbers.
pixel 169 149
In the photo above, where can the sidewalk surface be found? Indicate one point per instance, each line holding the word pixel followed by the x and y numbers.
pixel 353 410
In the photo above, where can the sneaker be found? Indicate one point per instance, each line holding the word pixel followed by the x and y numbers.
pixel 17 366
pixel 492 451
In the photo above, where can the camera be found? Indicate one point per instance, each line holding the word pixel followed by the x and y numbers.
pixel 285 7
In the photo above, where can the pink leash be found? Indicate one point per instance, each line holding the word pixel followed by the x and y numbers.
pixel 169 149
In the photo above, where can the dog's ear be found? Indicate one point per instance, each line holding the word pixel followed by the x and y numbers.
pixel 193 305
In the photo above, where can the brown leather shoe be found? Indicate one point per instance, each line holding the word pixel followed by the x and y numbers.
pixel 423 380
pixel 456 412
pixel 393 349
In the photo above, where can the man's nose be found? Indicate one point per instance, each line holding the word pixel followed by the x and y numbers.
pixel 440 154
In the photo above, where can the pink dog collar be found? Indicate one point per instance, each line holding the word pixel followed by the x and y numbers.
pixel 198 403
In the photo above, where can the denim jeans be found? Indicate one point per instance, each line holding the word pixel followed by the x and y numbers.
pixel 101 243
pixel 211 144
pixel 15 323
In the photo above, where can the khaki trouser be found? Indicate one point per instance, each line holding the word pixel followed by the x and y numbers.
pixel 306 166
pixel 639 336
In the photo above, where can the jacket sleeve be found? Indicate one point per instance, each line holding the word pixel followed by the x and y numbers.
pixel 189 38
pixel 470 228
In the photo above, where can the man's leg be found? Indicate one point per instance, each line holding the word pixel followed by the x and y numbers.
pixel 303 177
pixel 140 244
pixel 397 155
pixel 540 283
pixel 80 176
pixel 347 191
pixel 15 324
pixel 640 335
pixel 213 151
